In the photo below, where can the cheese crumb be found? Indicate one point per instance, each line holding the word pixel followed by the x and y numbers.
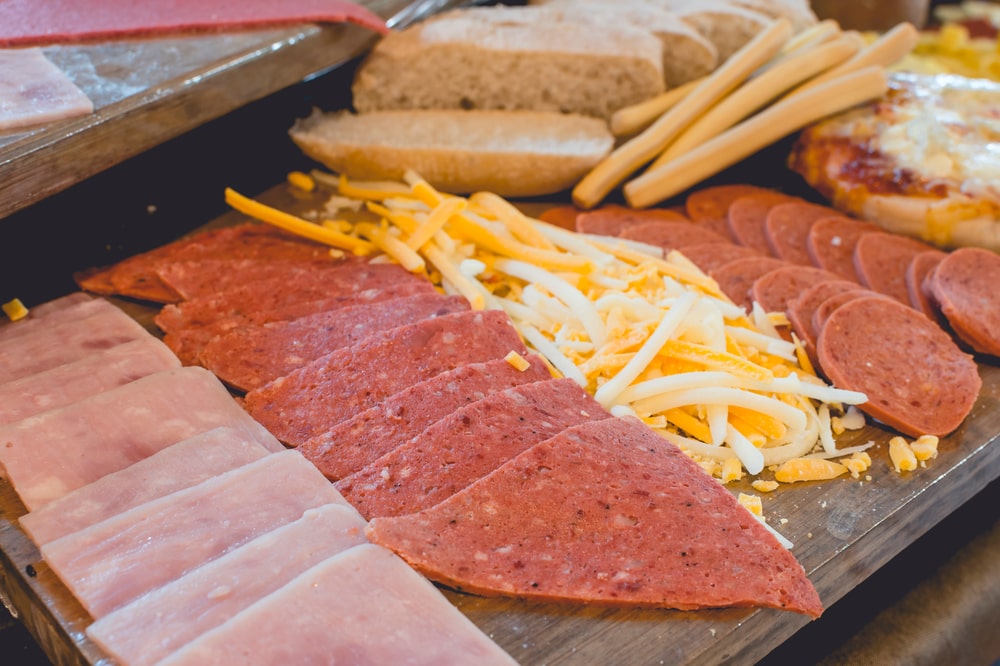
pixel 762 486
pixel 732 470
pixel 808 469
pixel 517 361
pixel 302 181
pixel 751 503
pixel 901 455
pixel 15 309
pixel 925 447
pixel 857 463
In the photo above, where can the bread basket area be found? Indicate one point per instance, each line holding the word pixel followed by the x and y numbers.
pixel 495 171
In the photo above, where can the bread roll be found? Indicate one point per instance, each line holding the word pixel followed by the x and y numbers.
pixel 474 59
pixel 727 26
pixel 511 153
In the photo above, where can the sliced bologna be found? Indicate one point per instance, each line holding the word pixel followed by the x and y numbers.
pixel 826 308
pixel 710 205
pixel 964 287
pixel 800 310
pixel 831 244
pixel 918 270
pixel 787 227
pixel 737 277
pixel 746 217
pixel 612 219
pixel 709 256
pixel 916 378
pixel 671 235
pixel 776 288
pixel 581 518
pixel 881 260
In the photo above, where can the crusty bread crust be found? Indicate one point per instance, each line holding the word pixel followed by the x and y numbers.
pixel 471 60
pixel 512 153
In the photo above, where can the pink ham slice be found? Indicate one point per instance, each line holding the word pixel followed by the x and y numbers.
pixel 332 607
pixel 49 347
pixel 33 91
pixel 582 516
pixel 358 441
pixel 335 387
pixel 52 312
pixel 115 561
pixel 93 374
pixel 249 357
pixel 48 455
pixel 28 22
pixel 165 619
pixel 179 466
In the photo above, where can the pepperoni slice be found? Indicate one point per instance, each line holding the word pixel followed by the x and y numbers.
pixel 746 216
pixel 831 244
pixel 964 286
pixel 776 288
pixel 709 256
pixel 710 205
pixel 918 270
pixel 800 310
pixel 823 311
pixel 787 227
pixel 612 219
pixel 737 277
pixel 671 235
pixel 561 216
pixel 916 378
pixel 881 260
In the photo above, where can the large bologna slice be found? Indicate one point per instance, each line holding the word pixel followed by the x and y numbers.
pixel 358 441
pixel 606 513
pixel 249 357
pixel 466 446
pixel 335 387
pixel 916 379
pixel 965 288
pixel 612 219
pixel 881 260
pixel 737 277
pixel 787 227
pixel 831 244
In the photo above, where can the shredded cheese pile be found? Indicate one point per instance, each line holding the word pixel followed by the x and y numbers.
pixel 647 335
pixel 951 50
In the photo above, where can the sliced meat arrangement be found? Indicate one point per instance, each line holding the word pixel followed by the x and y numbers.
pixel 360 440
pixel 920 267
pixel 41 317
pixel 710 256
pixel 917 379
pixel 249 357
pixel 787 228
pixel 671 235
pixel 34 91
pixel 335 387
pixel 776 288
pixel 747 217
pixel 881 260
pixel 614 220
pixel 964 287
pixel 575 519
pixel 467 445
pixel 736 278
pixel 831 244
pixel 800 310
pixel 710 205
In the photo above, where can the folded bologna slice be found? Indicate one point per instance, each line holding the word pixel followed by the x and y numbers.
pixel 335 387
pixel 90 375
pixel 512 153
pixel 326 618
pixel 964 287
pixel 582 516
pixel 917 379
pixel 115 561
pixel 156 624
pixel 179 466
pixel 47 455
pixel 466 446
pixel 358 441
pixel 249 357
pixel 49 347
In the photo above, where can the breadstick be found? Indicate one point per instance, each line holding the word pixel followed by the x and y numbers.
pixel 635 118
pixel 759 91
pixel 781 119
pixel 814 35
pixel 629 157
pixel 884 51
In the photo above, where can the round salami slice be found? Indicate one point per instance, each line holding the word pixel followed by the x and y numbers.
pixel 823 311
pixel 916 378
pixel 561 216
pixel 918 270
pixel 787 227
pixel 776 288
pixel 710 205
pixel 881 260
pixel 737 277
pixel 709 256
pixel 831 244
pixel 671 235
pixel 964 286
pixel 612 219
pixel 800 310
pixel 746 218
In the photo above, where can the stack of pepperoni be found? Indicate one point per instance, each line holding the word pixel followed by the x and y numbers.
pixel 876 312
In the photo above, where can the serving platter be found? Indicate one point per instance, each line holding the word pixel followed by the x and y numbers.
pixel 843 530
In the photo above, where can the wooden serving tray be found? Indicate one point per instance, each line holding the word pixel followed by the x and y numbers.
pixel 844 530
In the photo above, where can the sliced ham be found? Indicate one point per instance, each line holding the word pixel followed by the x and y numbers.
pixel 156 624
pixel 179 466
pixel 363 606
pixel 92 374
pixel 52 346
pixel 607 513
pixel 115 561
pixel 335 387
pixel 48 455
pixel 249 357
pixel 466 446
pixel 33 91
pixel 356 442
pixel 68 308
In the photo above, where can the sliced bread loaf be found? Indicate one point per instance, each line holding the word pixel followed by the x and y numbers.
pixel 727 26
pixel 512 153
pixel 475 59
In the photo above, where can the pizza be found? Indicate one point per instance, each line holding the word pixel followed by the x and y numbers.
pixel 923 161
